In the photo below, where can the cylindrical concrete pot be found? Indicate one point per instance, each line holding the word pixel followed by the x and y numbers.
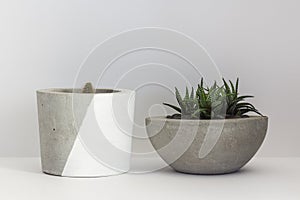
pixel 85 134
pixel 179 142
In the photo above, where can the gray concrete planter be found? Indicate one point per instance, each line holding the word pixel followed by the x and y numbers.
pixel 179 143
pixel 85 134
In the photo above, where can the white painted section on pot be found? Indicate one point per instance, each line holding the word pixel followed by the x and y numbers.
pixel 81 164
pixel 103 144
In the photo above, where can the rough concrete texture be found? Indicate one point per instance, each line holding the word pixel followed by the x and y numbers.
pixel 239 140
pixel 58 125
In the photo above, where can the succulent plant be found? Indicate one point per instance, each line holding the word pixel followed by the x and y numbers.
pixel 188 105
pixel 88 88
pixel 215 102
pixel 236 105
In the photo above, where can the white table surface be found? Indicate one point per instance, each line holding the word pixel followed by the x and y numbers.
pixel 262 178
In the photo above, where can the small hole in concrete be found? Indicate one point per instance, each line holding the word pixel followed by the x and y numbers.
pixel 53 129
pixel 42 104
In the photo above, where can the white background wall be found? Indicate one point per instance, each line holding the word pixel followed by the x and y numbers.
pixel 42 44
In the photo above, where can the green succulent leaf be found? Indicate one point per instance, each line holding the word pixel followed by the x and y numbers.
pixel 186 93
pixel 192 94
pixel 236 86
pixel 174 107
pixel 178 97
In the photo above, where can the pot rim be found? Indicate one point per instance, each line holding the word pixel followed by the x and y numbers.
pixel 164 118
pixel 72 91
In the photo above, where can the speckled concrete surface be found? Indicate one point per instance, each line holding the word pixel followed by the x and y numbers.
pixel 239 140
pixel 59 118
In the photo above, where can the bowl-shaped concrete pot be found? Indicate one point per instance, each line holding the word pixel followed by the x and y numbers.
pixel 85 134
pixel 207 146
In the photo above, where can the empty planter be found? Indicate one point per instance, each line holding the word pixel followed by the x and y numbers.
pixel 85 134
